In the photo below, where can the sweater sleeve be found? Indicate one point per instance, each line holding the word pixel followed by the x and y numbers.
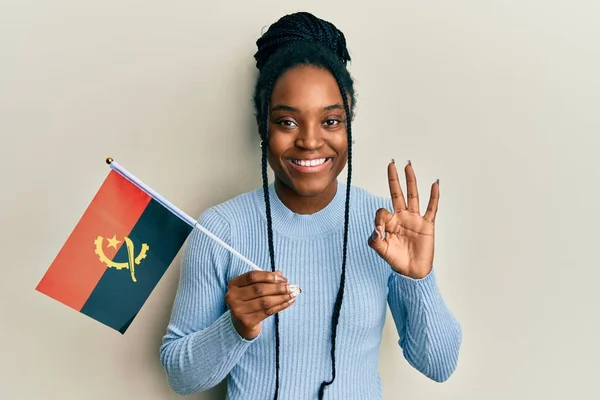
pixel 201 345
pixel 429 335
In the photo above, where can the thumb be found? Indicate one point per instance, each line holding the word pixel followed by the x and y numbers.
pixel 376 241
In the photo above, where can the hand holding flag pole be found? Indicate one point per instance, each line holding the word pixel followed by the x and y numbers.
pixel 86 273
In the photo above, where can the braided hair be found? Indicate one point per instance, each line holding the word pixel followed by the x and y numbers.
pixel 294 40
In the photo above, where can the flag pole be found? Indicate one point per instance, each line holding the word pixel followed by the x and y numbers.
pixel 171 207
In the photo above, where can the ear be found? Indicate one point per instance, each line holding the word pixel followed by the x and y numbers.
pixel 259 141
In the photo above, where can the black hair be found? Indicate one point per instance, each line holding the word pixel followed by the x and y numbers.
pixel 294 40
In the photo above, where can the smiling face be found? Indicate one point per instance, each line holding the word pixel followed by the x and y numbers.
pixel 308 144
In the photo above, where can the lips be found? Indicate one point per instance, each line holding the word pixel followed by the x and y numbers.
pixel 309 165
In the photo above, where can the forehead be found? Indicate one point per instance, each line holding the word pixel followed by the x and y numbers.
pixel 306 87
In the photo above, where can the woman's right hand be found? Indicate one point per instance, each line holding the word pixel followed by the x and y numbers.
pixel 255 296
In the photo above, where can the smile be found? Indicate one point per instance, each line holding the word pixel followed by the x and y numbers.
pixel 310 163
pixel 313 165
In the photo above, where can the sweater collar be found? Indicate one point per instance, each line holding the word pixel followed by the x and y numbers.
pixel 289 223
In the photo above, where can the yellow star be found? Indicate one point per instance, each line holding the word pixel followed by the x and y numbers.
pixel 113 242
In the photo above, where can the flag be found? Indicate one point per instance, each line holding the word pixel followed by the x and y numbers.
pixel 117 253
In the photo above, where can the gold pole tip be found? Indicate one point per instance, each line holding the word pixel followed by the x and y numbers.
pixel 109 160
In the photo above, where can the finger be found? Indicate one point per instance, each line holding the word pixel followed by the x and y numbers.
pixel 253 277
pixel 264 313
pixel 434 198
pixel 398 201
pixel 382 217
pixel 261 289
pixel 411 188
pixel 264 303
pixel 377 240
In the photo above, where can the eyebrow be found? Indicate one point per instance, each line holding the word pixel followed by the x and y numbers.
pixel 283 107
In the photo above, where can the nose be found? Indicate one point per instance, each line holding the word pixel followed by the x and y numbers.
pixel 309 137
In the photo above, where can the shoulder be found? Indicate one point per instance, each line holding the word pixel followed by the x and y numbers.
pixel 227 213
pixel 223 220
pixel 361 200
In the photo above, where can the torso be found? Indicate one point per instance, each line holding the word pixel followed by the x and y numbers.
pixel 310 255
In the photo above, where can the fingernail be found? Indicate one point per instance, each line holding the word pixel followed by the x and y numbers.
pixel 374 235
pixel 295 290
pixel 409 163
pixel 293 299
pixel 381 231
pixel 393 161
pixel 437 181
pixel 280 278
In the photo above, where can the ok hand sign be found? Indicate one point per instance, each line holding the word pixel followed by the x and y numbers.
pixel 408 243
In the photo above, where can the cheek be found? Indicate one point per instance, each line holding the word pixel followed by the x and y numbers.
pixel 277 149
pixel 340 144
pixel 278 145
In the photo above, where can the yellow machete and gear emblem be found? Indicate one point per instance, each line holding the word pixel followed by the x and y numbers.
pixel 130 264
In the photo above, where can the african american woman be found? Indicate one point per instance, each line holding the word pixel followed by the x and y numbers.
pixel 351 253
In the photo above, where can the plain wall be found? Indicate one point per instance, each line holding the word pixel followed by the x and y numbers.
pixel 498 99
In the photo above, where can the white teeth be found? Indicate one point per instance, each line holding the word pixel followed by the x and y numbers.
pixel 310 163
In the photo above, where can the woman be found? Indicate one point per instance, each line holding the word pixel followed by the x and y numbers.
pixel 311 230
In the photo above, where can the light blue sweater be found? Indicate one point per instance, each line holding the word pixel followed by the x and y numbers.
pixel 201 347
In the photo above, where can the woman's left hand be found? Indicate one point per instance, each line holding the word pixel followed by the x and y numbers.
pixel 408 244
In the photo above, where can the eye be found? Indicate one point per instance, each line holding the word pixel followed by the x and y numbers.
pixel 286 123
pixel 332 122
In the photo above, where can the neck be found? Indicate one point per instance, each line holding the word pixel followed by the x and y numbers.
pixel 320 215
pixel 304 204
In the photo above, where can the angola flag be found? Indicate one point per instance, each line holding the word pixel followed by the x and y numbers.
pixel 116 254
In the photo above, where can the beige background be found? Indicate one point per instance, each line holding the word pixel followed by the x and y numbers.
pixel 498 99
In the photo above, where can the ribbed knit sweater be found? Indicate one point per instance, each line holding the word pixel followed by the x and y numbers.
pixel 201 346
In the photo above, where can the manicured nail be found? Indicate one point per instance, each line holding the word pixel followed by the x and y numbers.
pixel 280 278
pixel 295 290
pixel 437 181
pixel 293 299
pixel 374 235
pixel 409 163
pixel 393 161
pixel 381 231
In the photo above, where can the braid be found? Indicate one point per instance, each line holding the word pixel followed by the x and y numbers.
pixel 265 146
pixel 265 179
pixel 340 295
pixel 303 39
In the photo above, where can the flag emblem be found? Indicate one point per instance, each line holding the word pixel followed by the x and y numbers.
pixel 131 261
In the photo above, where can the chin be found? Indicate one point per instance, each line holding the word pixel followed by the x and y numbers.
pixel 309 187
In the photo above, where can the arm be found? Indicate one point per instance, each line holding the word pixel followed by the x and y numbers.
pixel 430 336
pixel 201 344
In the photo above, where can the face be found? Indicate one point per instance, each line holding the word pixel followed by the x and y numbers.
pixel 308 146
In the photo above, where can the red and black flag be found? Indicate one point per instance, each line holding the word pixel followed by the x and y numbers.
pixel 117 253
